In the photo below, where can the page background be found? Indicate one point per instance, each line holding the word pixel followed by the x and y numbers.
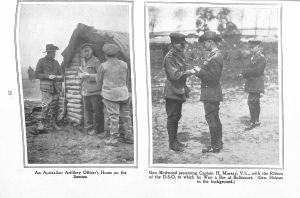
pixel 16 181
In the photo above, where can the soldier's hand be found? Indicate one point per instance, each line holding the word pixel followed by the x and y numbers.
pixel 190 72
pixel 59 77
pixel 240 75
pixel 197 69
pixel 85 75
pixel 51 76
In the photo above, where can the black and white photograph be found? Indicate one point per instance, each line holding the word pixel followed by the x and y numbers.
pixel 214 84
pixel 76 78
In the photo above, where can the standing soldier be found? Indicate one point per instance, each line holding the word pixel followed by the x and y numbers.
pixel 91 91
pixel 175 91
pixel 254 75
pixel 211 92
pixel 50 74
pixel 113 77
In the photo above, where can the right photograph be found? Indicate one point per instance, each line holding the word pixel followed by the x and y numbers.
pixel 214 77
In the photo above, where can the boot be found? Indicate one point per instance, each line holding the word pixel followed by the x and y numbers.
pixel 175 147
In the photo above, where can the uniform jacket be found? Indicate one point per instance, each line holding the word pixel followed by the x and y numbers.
pixel 254 73
pixel 113 77
pixel 89 85
pixel 210 75
pixel 45 67
pixel 175 68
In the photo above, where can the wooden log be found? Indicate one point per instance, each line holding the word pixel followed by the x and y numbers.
pixel 78 111
pixel 75 115
pixel 72 96
pixel 76 106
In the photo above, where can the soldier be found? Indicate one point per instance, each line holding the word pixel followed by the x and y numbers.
pixel 254 75
pixel 91 91
pixel 175 91
pixel 211 92
pixel 50 74
pixel 113 77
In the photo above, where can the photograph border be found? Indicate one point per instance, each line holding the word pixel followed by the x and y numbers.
pixel 278 5
pixel 133 84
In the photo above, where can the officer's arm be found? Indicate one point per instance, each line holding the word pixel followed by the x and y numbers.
pixel 256 71
pixel 92 77
pixel 173 72
pixel 212 75
pixel 39 73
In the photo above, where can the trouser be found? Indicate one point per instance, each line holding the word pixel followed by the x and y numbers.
pixel 93 113
pixel 117 118
pixel 211 109
pixel 173 109
pixel 50 108
pixel 254 106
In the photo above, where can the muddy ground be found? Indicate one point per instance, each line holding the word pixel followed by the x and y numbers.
pixel 259 146
pixel 71 145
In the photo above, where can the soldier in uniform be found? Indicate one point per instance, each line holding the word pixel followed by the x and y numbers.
pixel 211 92
pixel 175 91
pixel 50 74
pixel 113 77
pixel 91 91
pixel 254 75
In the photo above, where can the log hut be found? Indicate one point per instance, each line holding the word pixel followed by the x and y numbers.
pixel 71 104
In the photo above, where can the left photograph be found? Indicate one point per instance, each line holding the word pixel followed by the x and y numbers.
pixel 76 83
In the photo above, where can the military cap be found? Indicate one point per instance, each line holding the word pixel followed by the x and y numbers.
pixel 110 49
pixel 254 42
pixel 177 37
pixel 209 35
pixel 85 45
pixel 51 48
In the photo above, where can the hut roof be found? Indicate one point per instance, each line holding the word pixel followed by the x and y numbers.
pixel 88 34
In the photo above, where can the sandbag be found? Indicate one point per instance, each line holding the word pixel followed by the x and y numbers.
pixel 67 73
pixel 76 106
pixel 71 96
pixel 75 101
pixel 74 110
pixel 75 115
pixel 73 82
pixel 78 121
pixel 72 77
pixel 73 87
pixel 74 92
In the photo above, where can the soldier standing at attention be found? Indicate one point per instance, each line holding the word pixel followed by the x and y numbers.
pixel 254 75
pixel 50 74
pixel 175 91
pixel 211 93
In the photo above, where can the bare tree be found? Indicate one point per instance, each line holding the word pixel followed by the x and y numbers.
pixel 153 15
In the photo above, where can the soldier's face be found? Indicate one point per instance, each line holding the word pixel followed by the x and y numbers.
pixel 254 48
pixel 52 54
pixel 180 46
pixel 207 45
pixel 86 52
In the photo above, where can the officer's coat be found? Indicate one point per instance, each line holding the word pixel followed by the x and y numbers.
pixel 210 75
pixel 175 67
pixel 254 73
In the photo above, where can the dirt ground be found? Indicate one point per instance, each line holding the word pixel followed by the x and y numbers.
pixel 70 145
pixel 259 146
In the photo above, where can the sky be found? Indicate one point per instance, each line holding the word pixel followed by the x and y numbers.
pixel 40 24
pixel 167 21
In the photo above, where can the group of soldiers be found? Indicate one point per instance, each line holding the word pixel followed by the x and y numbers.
pixel 104 88
pixel 209 73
